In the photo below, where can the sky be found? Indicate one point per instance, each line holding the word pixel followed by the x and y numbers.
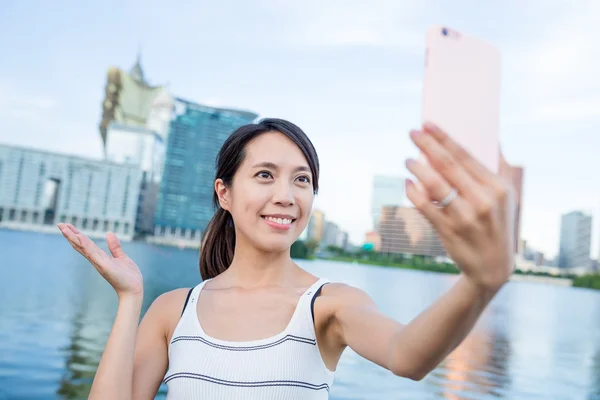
pixel 348 72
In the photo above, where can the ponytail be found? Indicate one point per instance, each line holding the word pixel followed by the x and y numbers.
pixel 218 244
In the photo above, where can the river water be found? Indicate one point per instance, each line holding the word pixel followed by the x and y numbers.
pixel 535 341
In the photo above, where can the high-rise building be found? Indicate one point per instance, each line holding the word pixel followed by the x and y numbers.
pixel 145 149
pixel 387 191
pixel 38 189
pixel 517 180
pixel 342 240
pixel 128 98
pixel 127 144
pixel 539 259
pixel 404 230
pixel 575 240
pixel 316 225
pixel 330 234
pixel 161 111
pixel 196 134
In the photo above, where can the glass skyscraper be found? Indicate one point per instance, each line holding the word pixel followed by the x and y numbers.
pixel 575 240
pixel 196 134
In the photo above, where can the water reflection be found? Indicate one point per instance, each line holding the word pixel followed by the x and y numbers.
pixel 534 341
pixel 594 392
pixel 476 368
pixel 595 371
pixel 80 363
pixel 95 308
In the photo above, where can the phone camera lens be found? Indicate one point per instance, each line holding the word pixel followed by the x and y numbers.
pixel 444 31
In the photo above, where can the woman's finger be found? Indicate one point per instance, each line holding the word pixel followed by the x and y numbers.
pixel 114 245
pixel 424 204
pixel 460 154
pixel 70 236
pixel 84 245
pixel 72 227
pixel 436 187
pixel 445 164
pixel 504 168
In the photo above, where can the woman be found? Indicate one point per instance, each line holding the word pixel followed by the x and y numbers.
pixel 260 327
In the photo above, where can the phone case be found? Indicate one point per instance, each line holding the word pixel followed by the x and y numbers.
pixel 462 91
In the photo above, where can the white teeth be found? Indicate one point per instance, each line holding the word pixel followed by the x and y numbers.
pixel 280 221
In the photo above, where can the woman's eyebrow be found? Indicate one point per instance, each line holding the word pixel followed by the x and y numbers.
pixel 271 165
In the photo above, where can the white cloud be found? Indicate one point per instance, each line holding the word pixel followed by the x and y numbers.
pixel 575 110
pixel 354 22
pixel 562 65
pixel 23 105
pixel 385 87
pixel 371 34
pixel 36 120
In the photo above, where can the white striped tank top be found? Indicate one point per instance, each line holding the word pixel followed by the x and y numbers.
pixel 287 366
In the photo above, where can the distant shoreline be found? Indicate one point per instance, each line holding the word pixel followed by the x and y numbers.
pixel 441 268
pixel 448 269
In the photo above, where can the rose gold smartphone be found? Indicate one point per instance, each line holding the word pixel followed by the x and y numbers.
pixel 462 91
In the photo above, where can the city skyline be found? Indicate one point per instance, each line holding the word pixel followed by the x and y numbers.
pixel 351 82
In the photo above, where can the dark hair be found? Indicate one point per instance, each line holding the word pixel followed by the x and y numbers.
pixel 218 241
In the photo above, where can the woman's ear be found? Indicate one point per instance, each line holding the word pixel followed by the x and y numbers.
pixel 222 193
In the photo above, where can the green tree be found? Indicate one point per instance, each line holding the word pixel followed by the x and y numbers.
pixel 591 281
pixel 336 250
pixel 312 246
pixel 299 250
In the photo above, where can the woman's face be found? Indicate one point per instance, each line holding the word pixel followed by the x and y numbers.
pixel 271 196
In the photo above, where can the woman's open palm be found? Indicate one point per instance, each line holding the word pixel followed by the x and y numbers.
pixel 119 270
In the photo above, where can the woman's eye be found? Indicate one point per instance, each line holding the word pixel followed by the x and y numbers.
pixel 304 179
pixel 264 174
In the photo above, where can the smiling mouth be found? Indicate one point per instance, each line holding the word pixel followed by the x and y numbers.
pixel 280 221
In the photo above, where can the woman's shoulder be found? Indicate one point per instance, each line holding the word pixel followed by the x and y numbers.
pixel 168 302
pixel 165 310
pixel 171 298
pixel 338 294
pixel 336 301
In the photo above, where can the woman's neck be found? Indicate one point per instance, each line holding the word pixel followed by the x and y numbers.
pixel 252 268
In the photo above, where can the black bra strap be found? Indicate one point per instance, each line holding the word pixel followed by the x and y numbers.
pixel 186 300
pixel 312 302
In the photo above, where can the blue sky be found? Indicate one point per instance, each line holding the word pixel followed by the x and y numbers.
pixel 349 72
